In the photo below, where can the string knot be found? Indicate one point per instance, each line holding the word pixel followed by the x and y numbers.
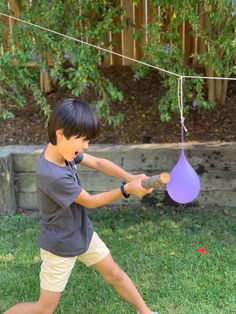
pixel 182 123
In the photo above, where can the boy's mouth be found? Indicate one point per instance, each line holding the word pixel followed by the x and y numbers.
pixel 76 153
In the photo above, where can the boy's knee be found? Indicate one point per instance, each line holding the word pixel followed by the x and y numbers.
pixel 48 301
pixel 114 276
pixel 46 307
pixel 43 309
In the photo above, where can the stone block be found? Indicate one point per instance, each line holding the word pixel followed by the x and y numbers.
pixel 7 187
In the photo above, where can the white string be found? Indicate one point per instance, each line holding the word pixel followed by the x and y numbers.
pixel 210 77
pixel 181 102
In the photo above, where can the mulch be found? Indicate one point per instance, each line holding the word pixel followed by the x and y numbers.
pixel 141 117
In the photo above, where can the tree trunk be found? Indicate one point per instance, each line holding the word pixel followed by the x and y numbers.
pixel 218 89
pixel 224 92
pixel 210 84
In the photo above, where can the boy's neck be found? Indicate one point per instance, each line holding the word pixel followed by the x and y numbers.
pixel 51 154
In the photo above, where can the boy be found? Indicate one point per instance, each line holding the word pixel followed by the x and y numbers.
pixel 67 233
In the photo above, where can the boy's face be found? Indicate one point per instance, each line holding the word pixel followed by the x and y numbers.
pixel 70 148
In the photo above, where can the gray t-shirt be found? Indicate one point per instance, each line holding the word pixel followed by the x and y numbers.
pixel 66 229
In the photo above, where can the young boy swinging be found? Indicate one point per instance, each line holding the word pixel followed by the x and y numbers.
pixel 66 232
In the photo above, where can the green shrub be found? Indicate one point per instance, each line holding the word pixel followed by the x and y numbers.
pixel 213 23
pixel 66 62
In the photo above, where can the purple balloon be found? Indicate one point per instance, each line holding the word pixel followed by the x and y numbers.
pixel 184 184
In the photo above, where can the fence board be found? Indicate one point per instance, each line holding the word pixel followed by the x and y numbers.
pixel 127 41
pixel 10 23
pixel 5 34
pixel 117 47
pixel 139 24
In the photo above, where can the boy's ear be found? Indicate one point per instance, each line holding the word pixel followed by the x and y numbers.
pixel 59 135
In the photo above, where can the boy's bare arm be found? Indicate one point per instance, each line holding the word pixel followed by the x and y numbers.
pixel 108 168
pixel 97 200
pixel 93 201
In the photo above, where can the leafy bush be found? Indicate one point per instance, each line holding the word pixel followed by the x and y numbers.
pixel 65 62
pixel 61 61
pixel 213 23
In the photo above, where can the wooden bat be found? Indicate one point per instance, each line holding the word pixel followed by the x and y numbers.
pixel 156 181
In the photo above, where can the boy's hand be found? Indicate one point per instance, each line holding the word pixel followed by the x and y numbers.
pixel 135 186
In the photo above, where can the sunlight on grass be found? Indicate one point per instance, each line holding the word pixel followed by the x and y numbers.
pixel 158 249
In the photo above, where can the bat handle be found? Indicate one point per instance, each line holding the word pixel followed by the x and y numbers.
pixel 156 181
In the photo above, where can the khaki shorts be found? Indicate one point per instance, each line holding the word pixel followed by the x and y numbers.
pixel 55 270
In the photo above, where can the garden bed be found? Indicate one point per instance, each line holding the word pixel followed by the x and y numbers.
pixel 140 111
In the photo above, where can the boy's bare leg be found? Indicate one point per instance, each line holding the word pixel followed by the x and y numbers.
pixel 120 281
pixel 45 305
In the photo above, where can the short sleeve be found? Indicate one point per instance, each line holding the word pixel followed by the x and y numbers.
pixel 64 191
pixel 79 158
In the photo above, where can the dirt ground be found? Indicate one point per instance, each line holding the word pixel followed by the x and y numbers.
pixel 141 117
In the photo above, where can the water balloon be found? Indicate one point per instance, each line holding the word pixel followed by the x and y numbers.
pixel 184 185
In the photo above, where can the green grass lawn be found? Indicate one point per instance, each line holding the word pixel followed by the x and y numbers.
pixel 156 247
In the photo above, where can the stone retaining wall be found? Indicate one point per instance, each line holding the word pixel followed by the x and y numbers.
pixel 214 162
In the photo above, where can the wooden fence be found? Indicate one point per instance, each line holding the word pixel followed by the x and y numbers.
pixel 139 14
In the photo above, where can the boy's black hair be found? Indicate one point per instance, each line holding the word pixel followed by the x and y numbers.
pixel 75 117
